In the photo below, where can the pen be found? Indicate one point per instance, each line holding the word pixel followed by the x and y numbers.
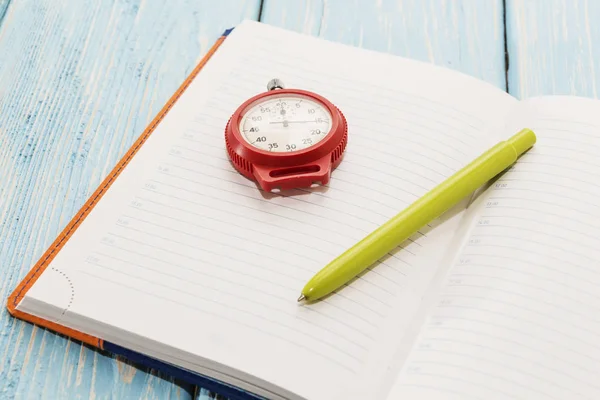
pixel 424 210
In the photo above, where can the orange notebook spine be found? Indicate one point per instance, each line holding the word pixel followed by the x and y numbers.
pixel 35 272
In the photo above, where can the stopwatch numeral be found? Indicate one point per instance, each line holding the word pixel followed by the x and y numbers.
pixel 306 141
pixel 261 139
pixel 290 146
pixel 265 109
pixel 254 129
pixel 257 118
pixel 315 131
pixel 273 146
pixel 311 110
pixel 319 119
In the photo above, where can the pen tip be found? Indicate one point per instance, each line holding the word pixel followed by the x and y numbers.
pixel 302 297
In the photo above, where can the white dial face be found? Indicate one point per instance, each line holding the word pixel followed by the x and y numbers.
pixel 284 123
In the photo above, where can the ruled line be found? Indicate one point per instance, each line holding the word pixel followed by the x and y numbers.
pixel 528 262
pixel 463 395
pixel 309 247
pixel 364 139
pixel 204 164
pixel 324 239
pixel 520 306
pixel 219 105
pixel 271 270
pixel 528 239
pixel 262 200
pixel 229 234
pixel 234 294
pixel 229 306
pixel 512 343
pixel 553 175
pixel 561 167
pixel 257 242
pixel 237 271
pixel 520 284
pixel 462 381
pixel 519 320
pixel 248 185
pixel 298 66
pixel 571 141
pixel 496 363
pixel 259 200
pixel 542 267
pixel 568 188
pixel 546 214
pixel 529 251
pixel 311 349
pixel 564 149
pixel 545 339
pixel 539 154
pixel 204 238
pixel 550 194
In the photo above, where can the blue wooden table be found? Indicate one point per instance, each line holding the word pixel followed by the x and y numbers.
pixel 80 79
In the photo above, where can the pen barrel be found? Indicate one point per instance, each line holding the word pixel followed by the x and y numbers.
pixel 424 210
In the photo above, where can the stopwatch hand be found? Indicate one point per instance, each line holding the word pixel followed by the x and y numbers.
pixel 289 122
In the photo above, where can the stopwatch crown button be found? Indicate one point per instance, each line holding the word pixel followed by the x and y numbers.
pixel 275 83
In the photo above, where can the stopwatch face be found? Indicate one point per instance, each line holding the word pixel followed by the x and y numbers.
pixel 285 123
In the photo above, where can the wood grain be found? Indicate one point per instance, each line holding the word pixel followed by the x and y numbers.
pixel 553 47
pixel 79 80
pixel 3 8
pixel 465 35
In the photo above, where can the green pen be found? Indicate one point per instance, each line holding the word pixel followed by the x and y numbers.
pixel 423 211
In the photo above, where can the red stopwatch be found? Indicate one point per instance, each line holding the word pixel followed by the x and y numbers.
pixel 286 138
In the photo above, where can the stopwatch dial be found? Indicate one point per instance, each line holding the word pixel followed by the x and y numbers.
pixel 285 123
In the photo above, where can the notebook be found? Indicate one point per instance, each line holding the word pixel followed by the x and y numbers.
pixel 180 263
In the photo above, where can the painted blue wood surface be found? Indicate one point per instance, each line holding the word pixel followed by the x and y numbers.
pixel 3 7
pixel 554 47
pixel 80 79
pixel 465 35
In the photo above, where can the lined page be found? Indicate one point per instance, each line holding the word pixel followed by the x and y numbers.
pixel 519 317
pixel 188 254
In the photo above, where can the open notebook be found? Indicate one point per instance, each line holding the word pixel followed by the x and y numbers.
pixel 179 262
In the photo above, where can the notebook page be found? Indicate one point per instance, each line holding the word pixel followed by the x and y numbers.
pixel 518 317
pixel 189 256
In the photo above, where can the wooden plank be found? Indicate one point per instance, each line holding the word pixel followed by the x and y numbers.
pixel 553 47
pixel 79 80
pixel 464 35
pixel 3 8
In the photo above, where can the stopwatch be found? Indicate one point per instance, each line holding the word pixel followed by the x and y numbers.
pixel 286 138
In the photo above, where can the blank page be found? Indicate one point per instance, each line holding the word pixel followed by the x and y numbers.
pixel 186 260
pixel 519 316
